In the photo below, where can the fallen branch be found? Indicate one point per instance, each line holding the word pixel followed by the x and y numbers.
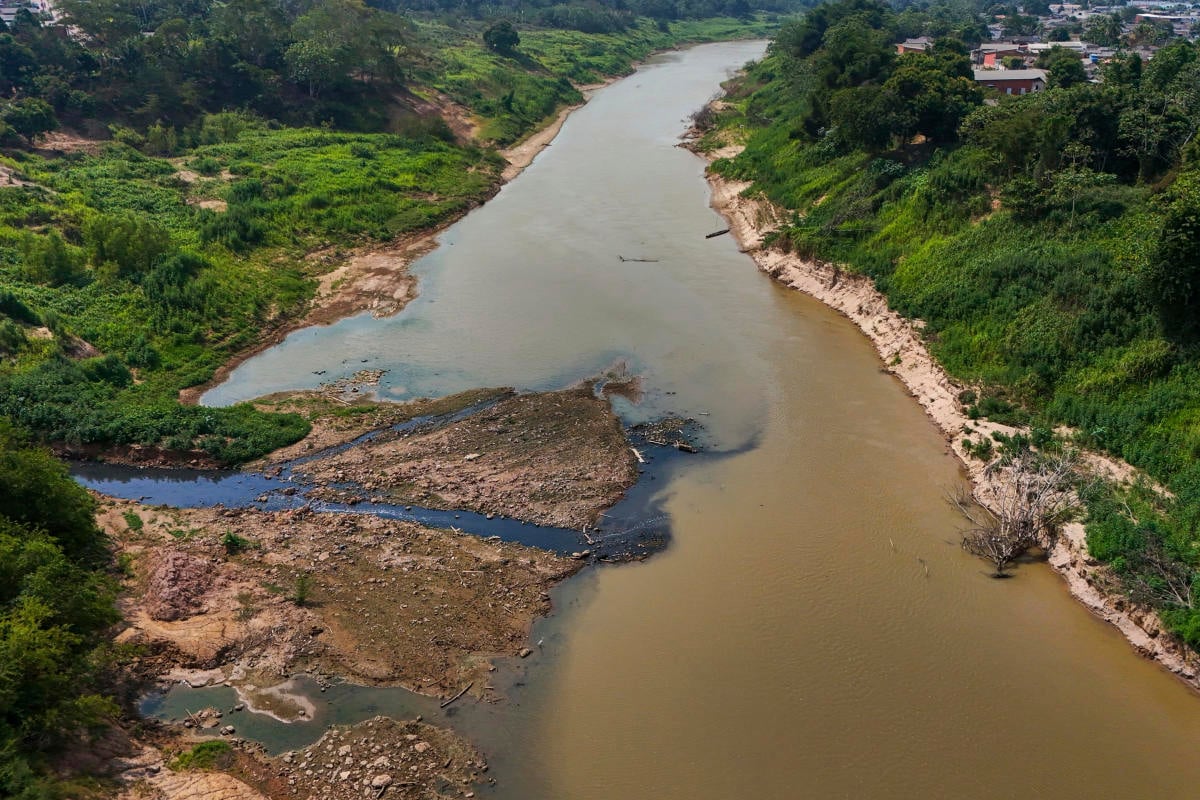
pixel 463 691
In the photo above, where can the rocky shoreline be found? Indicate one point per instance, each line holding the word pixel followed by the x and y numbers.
pixel 901 348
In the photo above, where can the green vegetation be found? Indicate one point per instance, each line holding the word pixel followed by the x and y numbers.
pixel 134 269
pixel 56 602
pixel 1048 241
pixel 204 756
pixel 301 593
pixel 235 544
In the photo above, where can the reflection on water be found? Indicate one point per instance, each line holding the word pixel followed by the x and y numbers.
pixel 790 643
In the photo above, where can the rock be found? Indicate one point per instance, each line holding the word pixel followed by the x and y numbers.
pixel 177 585
pixel 525 652
pixel 421 747
pixel 381 781
pixel 227 730
pixel 344 751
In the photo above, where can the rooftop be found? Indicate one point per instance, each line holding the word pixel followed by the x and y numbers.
pixel 1010 74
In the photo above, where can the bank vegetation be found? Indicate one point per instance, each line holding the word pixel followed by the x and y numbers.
pixel 1047 243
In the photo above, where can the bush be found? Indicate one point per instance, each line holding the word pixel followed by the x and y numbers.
pixel 214 754
pixel 233 543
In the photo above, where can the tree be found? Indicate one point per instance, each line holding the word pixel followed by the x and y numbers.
pixel 17 64
pixel 1064 67
pixel 128 246
pixel 29 117
pixel 1020 25
pixel 36 490
pixel 501 37
pixel 862 118
pixel 1026 502
pixel 55 603
pixel 49 260
pixel 1104 31
pixel 930 93
pixel 313 64
pixel 1173 279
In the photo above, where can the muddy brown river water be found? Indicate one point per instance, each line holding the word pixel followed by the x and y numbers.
pixel 813 631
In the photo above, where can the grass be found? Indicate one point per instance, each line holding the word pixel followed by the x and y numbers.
pixel 204 756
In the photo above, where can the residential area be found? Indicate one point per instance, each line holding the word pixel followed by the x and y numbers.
pixel 1023 46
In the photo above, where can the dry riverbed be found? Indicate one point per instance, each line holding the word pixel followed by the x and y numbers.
pixel 376 758
pixel 355 596
pixel 554 458
pixel 249 598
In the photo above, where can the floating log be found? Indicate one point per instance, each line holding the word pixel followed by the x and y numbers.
pixel 715 234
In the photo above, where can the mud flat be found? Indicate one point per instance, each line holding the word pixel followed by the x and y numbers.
pixel 553 458
pixel 373 600
pixel 248 598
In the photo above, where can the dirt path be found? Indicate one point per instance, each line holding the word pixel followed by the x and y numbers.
pixel 901 346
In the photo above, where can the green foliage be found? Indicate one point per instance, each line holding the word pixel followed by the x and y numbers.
pixel 502 37
pixel 234 544
pixel 50 260
pixel 301 593
pixel 1064 67
pixel 29 117
pixel 55 604
pixel 133 521
pixel 204 756
pixel 1049 243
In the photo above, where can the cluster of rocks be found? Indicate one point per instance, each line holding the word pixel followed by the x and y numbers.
pixel 377 758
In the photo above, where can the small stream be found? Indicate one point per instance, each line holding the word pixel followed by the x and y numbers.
pixel 635 527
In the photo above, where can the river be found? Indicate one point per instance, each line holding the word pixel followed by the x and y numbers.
pixel 813 630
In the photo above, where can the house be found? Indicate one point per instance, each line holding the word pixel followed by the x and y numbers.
pixel 918 45
pixel 991 54
pixel 1078 48
pixel 1012 81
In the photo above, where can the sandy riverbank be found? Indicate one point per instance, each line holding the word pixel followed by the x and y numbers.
pixel 902 349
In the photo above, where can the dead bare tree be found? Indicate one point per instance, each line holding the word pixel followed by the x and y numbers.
pixel 1028 496
pixel 1160 580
